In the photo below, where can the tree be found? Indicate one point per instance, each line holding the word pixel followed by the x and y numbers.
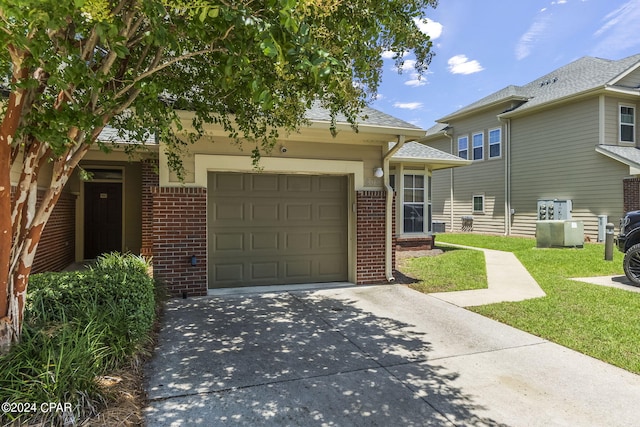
pixel 252 66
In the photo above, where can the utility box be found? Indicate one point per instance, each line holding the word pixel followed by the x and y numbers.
pixel 559 234
pixel 437 227
pixel 554 209
pixel 602 227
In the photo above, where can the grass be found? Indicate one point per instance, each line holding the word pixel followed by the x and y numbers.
pixel 599 321
pixel 443 273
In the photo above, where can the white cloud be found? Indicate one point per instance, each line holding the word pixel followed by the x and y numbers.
pixel 416 81
pixel 409 64
pixel 431 28
pixel 460 64
pixel 619 31
pixel 408 105
pixel 388 54
pixel 533 34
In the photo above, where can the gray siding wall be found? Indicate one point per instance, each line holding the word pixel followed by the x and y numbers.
pixel 553 156
pixel 440 188
pixel 485 177
pixel 612 119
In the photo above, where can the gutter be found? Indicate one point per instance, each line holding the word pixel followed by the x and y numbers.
pixel 388 250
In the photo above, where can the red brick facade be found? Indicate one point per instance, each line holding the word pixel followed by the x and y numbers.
pixel 57 246
pixel 180 232
pixel 370 237
pixel 150 181
pixel 631 194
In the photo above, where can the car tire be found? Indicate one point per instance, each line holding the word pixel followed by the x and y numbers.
pixel 631 264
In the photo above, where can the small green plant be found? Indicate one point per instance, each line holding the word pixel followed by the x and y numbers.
pixel 78 327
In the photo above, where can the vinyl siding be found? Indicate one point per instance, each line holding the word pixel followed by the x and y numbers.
pixel 612 120
pixel 485 177
pixel 553 157
pixel 440 188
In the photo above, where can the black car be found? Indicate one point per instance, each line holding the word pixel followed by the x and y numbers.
pixel 628 241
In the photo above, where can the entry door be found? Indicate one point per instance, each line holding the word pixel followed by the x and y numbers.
pixel 102 218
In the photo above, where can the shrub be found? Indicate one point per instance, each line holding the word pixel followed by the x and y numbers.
pixel 119 284
pixel 78 326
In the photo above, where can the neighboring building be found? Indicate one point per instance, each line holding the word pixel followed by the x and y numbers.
pixel 319 209
pixel 564 145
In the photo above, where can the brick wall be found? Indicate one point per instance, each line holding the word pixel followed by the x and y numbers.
pixel 150 181
pixel 57 247
pixel 631 194
pixel 370 236
pixel 179 232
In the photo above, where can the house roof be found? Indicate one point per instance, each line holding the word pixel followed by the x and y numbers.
pixel 414 152
pixel 580 76
pixel 630 156
pixel 368 117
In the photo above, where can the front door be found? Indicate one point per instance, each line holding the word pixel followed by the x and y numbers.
pixel 102 218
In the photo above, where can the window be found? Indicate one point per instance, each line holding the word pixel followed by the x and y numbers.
pixel 463 147
pixel 627 123
pixel 478 146
pixel 413 204
pixel 478 204
pixel 495 143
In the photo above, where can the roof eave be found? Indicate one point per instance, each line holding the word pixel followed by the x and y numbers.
pixel 545 105
pixel 480 109
pixel 433 164
pixel 634 167
pixel 413 133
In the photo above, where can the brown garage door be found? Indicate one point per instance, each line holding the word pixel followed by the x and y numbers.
pixel 269 229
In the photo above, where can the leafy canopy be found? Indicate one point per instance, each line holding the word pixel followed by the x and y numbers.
pixel 252 66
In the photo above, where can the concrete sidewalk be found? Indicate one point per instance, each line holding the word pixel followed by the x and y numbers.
pixel 507 278
pixel 369 356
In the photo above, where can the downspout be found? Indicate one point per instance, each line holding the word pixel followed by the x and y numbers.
pixel 388 250
pixel 451 188
pixel 507 176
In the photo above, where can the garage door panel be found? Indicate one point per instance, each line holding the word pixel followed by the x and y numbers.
pixel 264 241
pixel 277 229
pixel 263 270
pixel 225 242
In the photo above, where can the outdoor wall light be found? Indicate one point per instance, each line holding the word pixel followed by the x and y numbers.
pixel 378 172
pixel 194 260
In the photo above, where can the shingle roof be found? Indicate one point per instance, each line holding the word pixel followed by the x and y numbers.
pixel 415 150
pixel 627 155
pixel 579 76
pixel 368 116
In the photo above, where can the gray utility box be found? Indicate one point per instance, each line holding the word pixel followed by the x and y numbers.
pixel 437 227
pixel 559 234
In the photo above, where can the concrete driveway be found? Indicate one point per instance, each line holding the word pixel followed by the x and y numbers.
pixel 370 356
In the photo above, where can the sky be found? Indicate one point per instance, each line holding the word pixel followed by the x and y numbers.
pixel 483 46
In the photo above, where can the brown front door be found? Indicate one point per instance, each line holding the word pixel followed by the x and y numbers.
pixel 102 218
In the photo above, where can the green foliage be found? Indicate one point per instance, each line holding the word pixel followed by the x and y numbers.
pixel 454 270
pixel 595 320
pixel 117 284
pixel 251 66
pixel 78 326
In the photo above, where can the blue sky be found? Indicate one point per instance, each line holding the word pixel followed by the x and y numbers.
pixel 483 46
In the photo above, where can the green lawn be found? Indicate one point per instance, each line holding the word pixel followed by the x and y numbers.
pixel 442 273
pixel 599 321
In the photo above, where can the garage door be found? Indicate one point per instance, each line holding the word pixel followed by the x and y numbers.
pixel 266 229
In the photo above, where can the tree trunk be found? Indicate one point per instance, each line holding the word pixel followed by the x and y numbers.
pixel 8 128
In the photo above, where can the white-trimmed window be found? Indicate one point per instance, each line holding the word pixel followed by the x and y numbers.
pixel 413 203
pixel 627 123
pixel 478 146
pixel 495 143
pixel 478 203
pixel 463 147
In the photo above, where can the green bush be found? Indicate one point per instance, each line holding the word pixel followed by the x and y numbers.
pixel 78 326
pixel 117 283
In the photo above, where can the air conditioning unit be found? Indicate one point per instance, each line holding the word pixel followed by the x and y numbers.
pixel 559 234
